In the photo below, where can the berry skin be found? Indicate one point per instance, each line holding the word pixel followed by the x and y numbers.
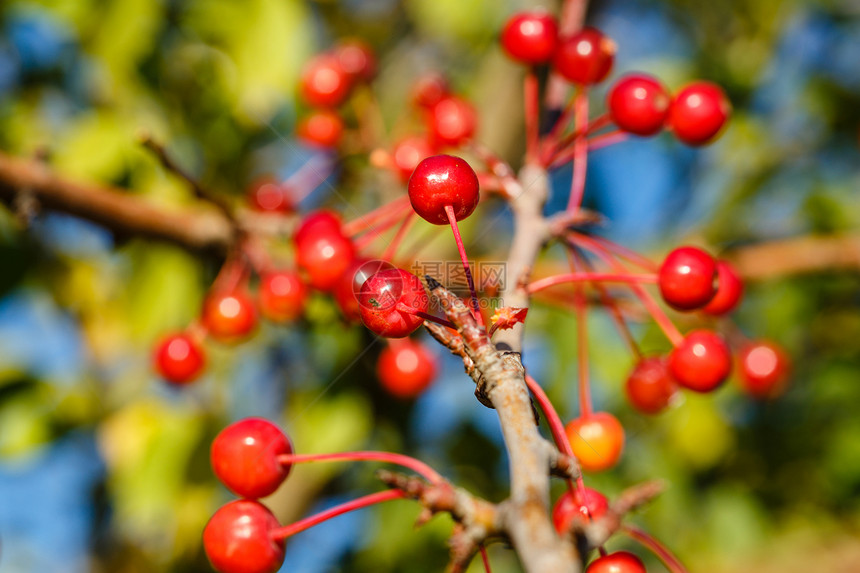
pixel 570 507
pixel 764 369
pixel 638 104
pixel 380 296
pixel 429 90
pixel 349 285
pixel 686 278
pixel 618 562
pixel 702 362
pixel 324 256
pixel 698 113
pixel 245 454
pixel 229 317
pixel 405 368
pixel 442 180
pixel 650 387
pixel 357 60
pixel 597 440
pixel 317 222
pixel 530 37
pixel 236 539
pixel 586 57
pixel 730 290
pixel 324 83
pixel 452 121
pixel 323 127
pixel 408 153
pixel 179 359
pixel 268 195
pixel 282 296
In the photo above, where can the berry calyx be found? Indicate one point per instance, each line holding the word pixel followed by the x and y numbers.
pixel 530 37
pixel 317 222
pixel 229 317
pixel 179 358
pixel 349 284
pixel 730 290
pixel 452 121
pixel 405 368
pixel 324 256
pixel 237 539
pixel 282 296
pixel 244 457
pixel 597 440
pixel 570 507
pixel 586 57
pixel 764 369
pixel 698 112
pixel 638 104
pixel 618 562
pixel 324 83
pixel 323 127
pixel 408 153
pixel 268 195
pixel 391 302
pixel 357 60
pixel 702 362
pixel 649 386
pixel 686 278
pixel 442 180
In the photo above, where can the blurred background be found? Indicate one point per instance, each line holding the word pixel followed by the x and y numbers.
pixel 105 468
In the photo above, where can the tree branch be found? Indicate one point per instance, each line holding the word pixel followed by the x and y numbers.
pixel 796 255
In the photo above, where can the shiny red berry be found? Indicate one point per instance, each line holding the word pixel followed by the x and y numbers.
pixel 452 121
pixel 237 539
pixel 324 83
pixel 245 454
pixel 324 256
pixel 586 57
pixel 698 112
pixel 638 104
pixel 618 562
pixel 408 153
pixel 322 127
pixel 687 278
pixel 570 507
pixel 229 317
pixel 317 222
pixel 649 386
pixel 179 358
pixel 764 369
pixel 406 368
pixel 530 37
pixel 597 440
pixel 268 195
pixel 702 362
pixel 349 285
pixel 442 180
pixel 387 301
pixel 730 290
pixel 282 295
pixel 356 59
pixel 429 90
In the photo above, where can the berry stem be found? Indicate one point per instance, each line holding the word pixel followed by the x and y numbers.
pixel 364 222
pixel 580 150
pixel 231 274
pixel 407 223
pixel 547 282
pixel 623 252
pixel 671 562
pixel 606 139
pixel 308 522
pixel 532 114
pixel 553 420
pixel 598 123
pixel 585 405
pixel 417 466
pixel 486 559
pixel 426 316
pixel 452 219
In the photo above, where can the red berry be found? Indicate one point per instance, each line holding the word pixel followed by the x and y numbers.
pixel 237 539
pixel 638 104
pixel 405 368
pixel 702 362
pixel 530 37
pixel 730 289
pixel 686 278
pixel 324 256
pixel 323 127
pixel 452 121
pixel 764 369
pixel 429 90
pixel 356 59
pixel 597 440
pixel 229 317
pixel 267 194
pixel 650 387
pixel 179 358
pixel 383 297
pixel 245 454
pixel 698 113
pixel 324 83
pixel 317 222
pixel 442 180
pixel 282 296
pixel 570 507
pixel 349 285
pixel 586 57
pixel 408 153
pixel 618 562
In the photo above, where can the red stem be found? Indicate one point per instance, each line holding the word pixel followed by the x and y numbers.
pixel 232 273
pixel 547 282
pixel 599 123
pixel 452 219
pixel 486 559
pixel 364 222
pixel 667 557
pixel 398 237
pixel 414 311
pixel 580 151
pixel 556 427
pixel 607 139
pixel 532 114
pixel 623 252
pixel 417 466
pixel 308 522
pixel 585 405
